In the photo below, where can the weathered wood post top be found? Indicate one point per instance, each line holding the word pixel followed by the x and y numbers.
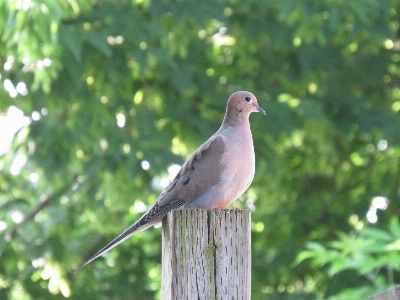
pixel 390 294
pixel 206 254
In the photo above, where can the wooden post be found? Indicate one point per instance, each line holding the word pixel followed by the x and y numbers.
pixel 390 294
pixel 206 254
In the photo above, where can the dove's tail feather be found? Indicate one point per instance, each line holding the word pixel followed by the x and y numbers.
pixel 151 218
pixel 131 230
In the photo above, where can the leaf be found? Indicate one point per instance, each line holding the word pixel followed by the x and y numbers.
pixel 376 234
pixel 71 39
pixel 99 41
pixel 395 227
pixel 303 255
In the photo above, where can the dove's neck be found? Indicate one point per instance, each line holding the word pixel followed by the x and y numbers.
pixel 235 120
pixel 238 130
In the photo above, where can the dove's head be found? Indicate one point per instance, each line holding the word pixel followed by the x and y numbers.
pixel 240 105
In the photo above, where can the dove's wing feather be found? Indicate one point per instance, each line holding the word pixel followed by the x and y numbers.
pixel 199 173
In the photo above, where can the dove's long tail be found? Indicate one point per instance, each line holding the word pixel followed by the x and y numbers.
pixel 131 230
pixel 151 218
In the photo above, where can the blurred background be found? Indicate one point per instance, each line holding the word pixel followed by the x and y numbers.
pixel 102 101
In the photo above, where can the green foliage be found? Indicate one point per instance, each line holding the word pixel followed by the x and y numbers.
pixel 108 86
pixel 370 252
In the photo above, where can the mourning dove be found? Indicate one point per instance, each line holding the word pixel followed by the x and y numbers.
pixel 214 176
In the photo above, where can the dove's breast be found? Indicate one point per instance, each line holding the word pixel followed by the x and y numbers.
pixel 238 167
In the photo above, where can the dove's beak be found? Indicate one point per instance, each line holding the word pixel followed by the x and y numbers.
pixel 259 109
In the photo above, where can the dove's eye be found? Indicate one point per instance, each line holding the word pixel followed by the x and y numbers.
pixel 247 99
